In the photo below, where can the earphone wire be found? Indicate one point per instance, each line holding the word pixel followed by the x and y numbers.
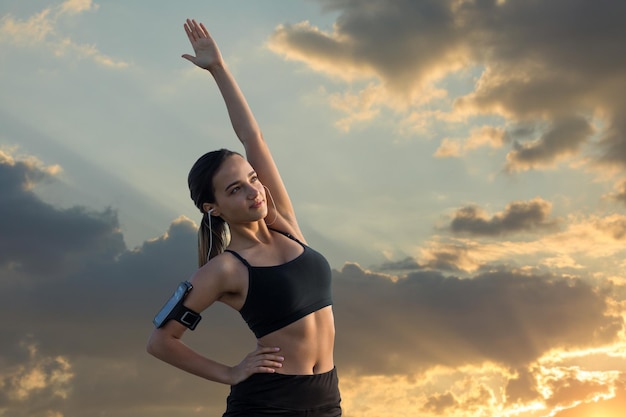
pixel 208 255
pixel 274 204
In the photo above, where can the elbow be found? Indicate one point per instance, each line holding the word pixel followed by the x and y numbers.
pixel 161 343
pixel 153 345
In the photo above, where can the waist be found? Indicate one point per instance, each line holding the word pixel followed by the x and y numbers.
pixel 307 345
pixel 297 392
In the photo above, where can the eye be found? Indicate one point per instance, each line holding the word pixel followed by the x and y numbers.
pixel 234 190
pixel 254 179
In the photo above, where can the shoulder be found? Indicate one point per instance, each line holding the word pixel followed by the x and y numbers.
pixel 220 275
pixel 287 227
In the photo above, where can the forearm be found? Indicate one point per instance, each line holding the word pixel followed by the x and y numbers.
pixel 176 353
pixel 241 117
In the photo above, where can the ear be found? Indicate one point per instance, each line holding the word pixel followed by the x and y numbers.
pixel 210 208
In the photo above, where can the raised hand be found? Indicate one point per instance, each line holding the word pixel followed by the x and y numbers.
pixel 262 360
pixel 205 48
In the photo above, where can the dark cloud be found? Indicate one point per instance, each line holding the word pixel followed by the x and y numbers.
pixel 81 306
pixel 37 240
pixel 440 403
pixel 81 326
pixel 452 257
pixel 613 143
pixel 518 216
pixel 448 403
pixel 400 42
pixel 546 63
pixel 550 59
pixel 426 319
pixel 522 388
pixel 564 137
pixel 407 263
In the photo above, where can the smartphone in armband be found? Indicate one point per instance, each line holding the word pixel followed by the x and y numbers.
pixel 175 310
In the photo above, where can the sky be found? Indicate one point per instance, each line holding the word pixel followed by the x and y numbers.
pixel 462 165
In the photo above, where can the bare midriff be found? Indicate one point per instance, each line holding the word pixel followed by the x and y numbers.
pixel 307 344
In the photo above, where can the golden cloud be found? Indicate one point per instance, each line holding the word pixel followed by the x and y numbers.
pixel 42 30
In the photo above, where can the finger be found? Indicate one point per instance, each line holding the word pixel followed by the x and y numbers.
pixel 267 362
pixel 189 30
pixel 193 29
pixel 266 370
pixel 189 58
pixel 273 363
pixel 204 30
pixel 267 349
pixel 267 367
pixel 197 31
pixel 271 360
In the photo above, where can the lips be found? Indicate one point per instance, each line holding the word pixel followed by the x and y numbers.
pixel 257 204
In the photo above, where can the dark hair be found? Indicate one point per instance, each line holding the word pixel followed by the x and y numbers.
pixel 202 191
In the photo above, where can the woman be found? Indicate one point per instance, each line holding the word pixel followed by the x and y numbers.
pixel 280 286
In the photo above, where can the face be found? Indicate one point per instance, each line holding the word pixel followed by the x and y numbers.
pixel 239 194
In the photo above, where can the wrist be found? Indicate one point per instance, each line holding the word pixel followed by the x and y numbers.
pixel 215 67
pixel 230 375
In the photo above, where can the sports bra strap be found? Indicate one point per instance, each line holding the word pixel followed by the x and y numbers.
pixel 241 258
pixel 289 235
pixel 246 263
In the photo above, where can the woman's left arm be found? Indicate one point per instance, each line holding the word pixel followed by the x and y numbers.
pixel 246 128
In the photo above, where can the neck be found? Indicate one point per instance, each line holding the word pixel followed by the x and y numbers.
pixel 249 234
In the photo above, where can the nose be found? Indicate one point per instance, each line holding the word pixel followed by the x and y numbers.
pixel 253 192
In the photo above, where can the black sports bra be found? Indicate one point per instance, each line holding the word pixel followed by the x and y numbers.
pixel 282 294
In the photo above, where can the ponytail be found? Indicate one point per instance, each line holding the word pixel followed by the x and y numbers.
pixel 212 237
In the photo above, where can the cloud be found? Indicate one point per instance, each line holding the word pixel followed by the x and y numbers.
pixel 43 30
pixel 547 60
pixel 402 265
pixel 439 403
pixel 563 138
pixel 41 376
pixel 518 216
pixel 554 65
pixel 46 240
pixel 490 136
pixel 404 46
pixel 619 194
pixel 593 243
pixel 425 319
pixel 522 388
pixel 404 49
pixel 605 407
pixel 523 237
pixel 522 334
pixel 569 389
pixel 77 6
pixel 80 345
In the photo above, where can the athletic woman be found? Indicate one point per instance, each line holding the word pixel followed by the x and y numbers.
pixel 254 258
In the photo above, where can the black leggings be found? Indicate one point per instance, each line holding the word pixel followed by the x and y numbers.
pixel 285 395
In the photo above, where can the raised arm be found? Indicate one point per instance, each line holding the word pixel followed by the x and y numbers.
pixel 208 57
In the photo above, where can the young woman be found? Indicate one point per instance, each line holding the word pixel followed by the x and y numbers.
pixel 265 271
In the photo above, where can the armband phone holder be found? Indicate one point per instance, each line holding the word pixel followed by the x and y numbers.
pixel 175 310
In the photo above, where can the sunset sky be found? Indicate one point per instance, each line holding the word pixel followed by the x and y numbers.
pixel 461 163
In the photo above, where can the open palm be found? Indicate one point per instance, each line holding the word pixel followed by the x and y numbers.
pixel 205 48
